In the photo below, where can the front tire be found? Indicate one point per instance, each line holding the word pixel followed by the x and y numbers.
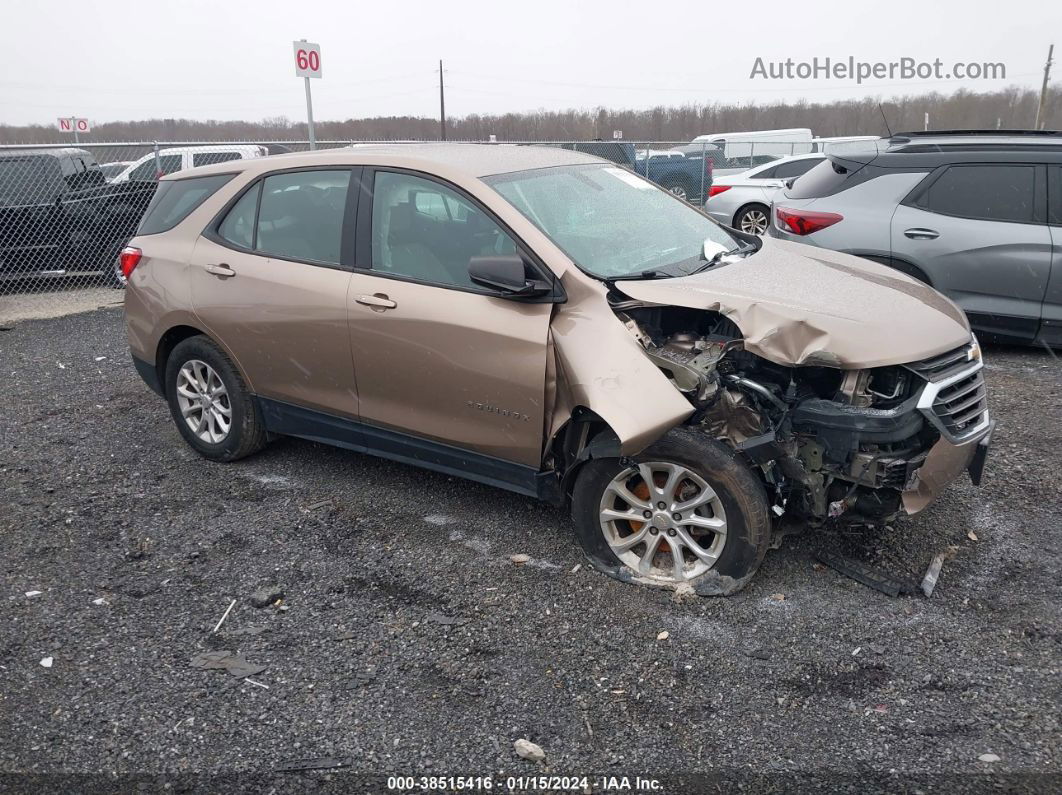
pixel 210 403
pixel 686 512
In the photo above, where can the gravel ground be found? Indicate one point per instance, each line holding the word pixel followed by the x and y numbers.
pixel 54 301
pixel 408 641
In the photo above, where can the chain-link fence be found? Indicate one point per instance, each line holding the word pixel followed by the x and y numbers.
pixel 66 212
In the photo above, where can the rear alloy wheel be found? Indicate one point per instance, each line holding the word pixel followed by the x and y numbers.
pixel 210 403
pixel 204 401
pixel 753 219
pixel 680 191
pixel 686 512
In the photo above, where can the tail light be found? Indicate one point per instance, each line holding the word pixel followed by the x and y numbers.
pixel 128 260
pixel 715 190
pixel 804 222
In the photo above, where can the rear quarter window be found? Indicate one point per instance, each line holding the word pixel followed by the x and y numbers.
pixel 175 200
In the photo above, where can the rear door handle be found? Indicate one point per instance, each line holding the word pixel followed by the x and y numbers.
pixel 376 301
pixel 921 234
pixel 220 270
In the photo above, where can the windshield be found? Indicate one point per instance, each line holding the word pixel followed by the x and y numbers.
pixel 612 223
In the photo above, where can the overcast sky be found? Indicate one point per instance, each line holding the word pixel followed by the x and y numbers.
pixel 123 60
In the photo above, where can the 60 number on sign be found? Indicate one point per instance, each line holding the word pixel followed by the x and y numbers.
pixel 307 59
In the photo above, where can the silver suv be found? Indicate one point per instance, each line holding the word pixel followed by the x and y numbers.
pixel 977 215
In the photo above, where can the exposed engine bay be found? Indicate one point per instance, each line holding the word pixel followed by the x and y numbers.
pixel 830 445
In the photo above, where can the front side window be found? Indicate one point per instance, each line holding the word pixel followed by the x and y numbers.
pixel 996 193
pixel 149 171
pixel 176 199
pixel 425 231
pixel 612 223
pixel 301 215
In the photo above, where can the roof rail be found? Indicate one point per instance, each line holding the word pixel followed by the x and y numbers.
pixel 946 133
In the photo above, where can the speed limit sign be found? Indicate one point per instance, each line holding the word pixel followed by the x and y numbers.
pixel 307 59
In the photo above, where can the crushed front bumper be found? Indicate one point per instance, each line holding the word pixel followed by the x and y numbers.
pixel 946 461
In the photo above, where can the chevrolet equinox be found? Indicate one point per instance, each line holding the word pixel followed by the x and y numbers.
pixel 548 322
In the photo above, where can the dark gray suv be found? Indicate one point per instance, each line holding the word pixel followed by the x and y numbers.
pixel 975 214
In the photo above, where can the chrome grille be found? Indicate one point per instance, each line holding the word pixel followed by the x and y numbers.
pixel 962 404
pixel 945 365
pixel 954 399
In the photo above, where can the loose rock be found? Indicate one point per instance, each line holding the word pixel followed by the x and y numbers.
pixel 526 749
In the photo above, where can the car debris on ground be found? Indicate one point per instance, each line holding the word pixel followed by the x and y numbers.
pixel 266 596
pixel 228 661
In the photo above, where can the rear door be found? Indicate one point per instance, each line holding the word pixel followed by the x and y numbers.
pixel 1051 327
pixel 978 231
pixel 269 281
pixel 438 357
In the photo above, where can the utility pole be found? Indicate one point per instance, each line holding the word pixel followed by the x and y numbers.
pixel 442 105
pixel 1043 90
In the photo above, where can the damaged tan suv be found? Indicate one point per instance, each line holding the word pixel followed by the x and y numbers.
pixel 547 322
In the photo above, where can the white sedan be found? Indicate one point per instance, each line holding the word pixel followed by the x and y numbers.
pixel 743 201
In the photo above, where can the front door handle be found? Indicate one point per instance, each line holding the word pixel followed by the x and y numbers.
pixel 221 269
pixel 922 234
pixel 377 301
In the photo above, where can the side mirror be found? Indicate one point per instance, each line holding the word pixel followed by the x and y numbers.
pixel 506 273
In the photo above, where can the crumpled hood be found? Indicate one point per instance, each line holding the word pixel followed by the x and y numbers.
pixel 798 304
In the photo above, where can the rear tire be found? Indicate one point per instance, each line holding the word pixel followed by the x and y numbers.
pixel 753 219
pixel 214 410
pixel 706 470
pixel 679 190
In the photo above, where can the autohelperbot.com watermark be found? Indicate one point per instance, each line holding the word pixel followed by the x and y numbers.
pixel 851 68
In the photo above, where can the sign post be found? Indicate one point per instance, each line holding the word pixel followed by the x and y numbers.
pixel 75 125
pixel 307 65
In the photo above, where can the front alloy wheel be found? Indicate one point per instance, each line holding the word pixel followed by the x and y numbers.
pixel 684 512
pixel 663 521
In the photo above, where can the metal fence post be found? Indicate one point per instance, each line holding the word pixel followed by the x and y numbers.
pixel 704 172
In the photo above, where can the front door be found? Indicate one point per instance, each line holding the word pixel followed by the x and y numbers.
pixel 979 233
pixel 436 356
pixel 269 283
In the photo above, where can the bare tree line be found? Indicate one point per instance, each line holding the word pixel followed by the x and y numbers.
pixel 1009 108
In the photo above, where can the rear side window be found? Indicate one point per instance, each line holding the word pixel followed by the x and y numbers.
pixel 209 158
pixel 1054 195
pixel 301 215
pixel 150 171
pixel 174 201
pixel 795 168
pixel 995 193
pixel 29 180
pixel 823 180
